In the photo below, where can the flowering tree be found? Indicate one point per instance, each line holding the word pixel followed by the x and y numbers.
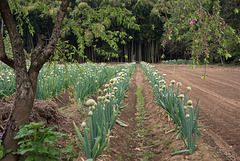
pixel 199 23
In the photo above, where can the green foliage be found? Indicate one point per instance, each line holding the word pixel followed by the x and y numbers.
pixel 37 143
pixel 7 81
pixel 3 151
pixel 89 78
pixel 52 79
pixel 8 46
pixel 178 62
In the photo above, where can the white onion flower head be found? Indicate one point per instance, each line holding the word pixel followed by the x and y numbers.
pixel 179 84
pixel 164 75
pixel 100 92
pixel 100 98
pixel 181 96
pixel 187 116
pixel 107 96
pixel 105 90
pixel 90 113
pixel 106 85
pixel 173 81
pixel 111 81
pixel 106 101
pixel 90 102
pixel 189 102
pixel 83 124
pixel 115 79
pixel 115 88
pixel 189 88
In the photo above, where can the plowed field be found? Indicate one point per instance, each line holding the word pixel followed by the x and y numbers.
pixel 219 98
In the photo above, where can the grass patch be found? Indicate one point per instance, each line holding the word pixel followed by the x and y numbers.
pixel 142 131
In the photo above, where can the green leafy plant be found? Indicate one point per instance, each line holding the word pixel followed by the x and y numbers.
pixel 189 127
pixel 3 151
pixel 37 143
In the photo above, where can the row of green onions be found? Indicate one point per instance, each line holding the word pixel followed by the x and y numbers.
pixel 179 107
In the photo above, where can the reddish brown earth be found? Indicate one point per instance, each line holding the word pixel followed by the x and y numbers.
pixel 219 100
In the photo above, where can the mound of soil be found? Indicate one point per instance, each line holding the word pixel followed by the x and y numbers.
pixel 43 110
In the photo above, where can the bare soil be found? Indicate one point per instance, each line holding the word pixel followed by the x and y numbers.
pixel 219 100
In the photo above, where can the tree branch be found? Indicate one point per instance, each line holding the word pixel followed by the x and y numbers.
pixel 49 49
pixel 16 42
pixel 3 56
pixel 38 49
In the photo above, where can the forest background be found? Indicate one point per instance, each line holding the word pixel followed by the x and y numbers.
pixel 145 36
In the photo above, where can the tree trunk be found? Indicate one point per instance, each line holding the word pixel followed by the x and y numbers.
pixel 152 51
pixel 2 27
pixel 222 60
pixel 156 52
pixel 26 86
pixel 140 52
pixel 131 59
pixel 126 53
pixel 149 52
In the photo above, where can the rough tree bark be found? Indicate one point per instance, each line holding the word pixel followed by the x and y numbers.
pixel 26 80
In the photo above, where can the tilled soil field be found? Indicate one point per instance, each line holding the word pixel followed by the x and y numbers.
pixel 219 97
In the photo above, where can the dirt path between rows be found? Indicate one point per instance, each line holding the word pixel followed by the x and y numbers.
pixel 219 98
pixel 125 144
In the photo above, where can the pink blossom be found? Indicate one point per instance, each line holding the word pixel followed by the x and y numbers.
pixel 191 23
pixel 223 22
pixel 200 21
